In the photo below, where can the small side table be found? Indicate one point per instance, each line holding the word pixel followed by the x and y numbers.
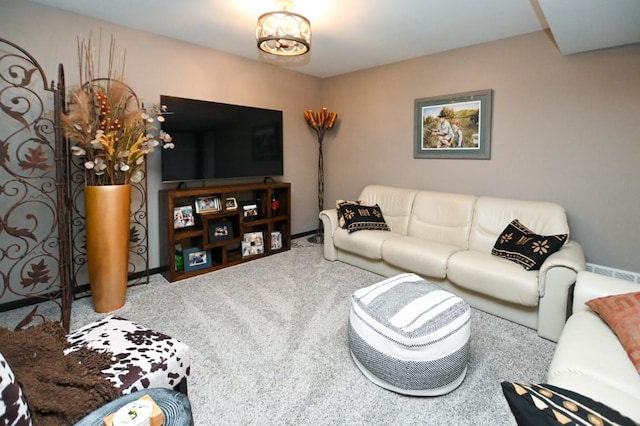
pixel 175 407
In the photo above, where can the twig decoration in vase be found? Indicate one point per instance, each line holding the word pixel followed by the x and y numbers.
pixel 112 135
pixel 320 121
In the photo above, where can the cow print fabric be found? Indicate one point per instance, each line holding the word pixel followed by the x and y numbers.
pixel 14 410
pixel 143 358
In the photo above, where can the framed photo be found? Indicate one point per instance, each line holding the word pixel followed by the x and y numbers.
pixel 250 210
pixel 454 126
pixel 195 258
pixel 220 230
pixel 252 243
pixel 231 204
pixel 183 217
pixel 208 204
pixel 276 240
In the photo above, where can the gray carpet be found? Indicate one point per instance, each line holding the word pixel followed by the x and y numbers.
pixel 269 347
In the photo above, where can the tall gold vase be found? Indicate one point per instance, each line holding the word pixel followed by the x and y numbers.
pixel 108 223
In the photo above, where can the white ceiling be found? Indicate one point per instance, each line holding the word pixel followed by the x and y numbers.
pixel 350 35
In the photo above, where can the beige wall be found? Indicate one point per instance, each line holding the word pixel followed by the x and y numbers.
pixel 156 65
pixel 564 127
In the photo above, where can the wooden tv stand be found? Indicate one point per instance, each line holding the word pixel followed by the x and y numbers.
pixel 226 226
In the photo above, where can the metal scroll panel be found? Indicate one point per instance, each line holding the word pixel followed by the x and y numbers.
pixel 33 253
pixel 139 235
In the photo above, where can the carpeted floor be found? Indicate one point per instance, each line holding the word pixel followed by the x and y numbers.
pixel 269 347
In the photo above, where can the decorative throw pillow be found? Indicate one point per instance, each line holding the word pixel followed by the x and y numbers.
pixel 340 203
pixel 544 404
pixel 519 244
pixel 622 313
pixel 359 217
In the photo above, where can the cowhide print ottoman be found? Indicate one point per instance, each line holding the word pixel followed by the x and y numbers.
pixel 14 410
pixel 410 336
pixel 143 358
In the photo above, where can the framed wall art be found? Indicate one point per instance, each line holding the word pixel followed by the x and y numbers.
pixel 454 126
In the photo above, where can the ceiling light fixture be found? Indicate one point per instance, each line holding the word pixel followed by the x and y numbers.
pixel 283 33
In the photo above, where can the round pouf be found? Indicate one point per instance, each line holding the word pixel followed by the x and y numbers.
pixel 410 336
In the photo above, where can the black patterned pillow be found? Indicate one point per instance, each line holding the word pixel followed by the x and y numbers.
pixel 519 244
pixel 543 404
pixel 340 203
pixel 358 217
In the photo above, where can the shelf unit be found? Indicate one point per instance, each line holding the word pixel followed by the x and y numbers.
pixel 214 237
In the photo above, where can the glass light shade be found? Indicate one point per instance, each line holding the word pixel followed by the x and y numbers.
pixel 283 33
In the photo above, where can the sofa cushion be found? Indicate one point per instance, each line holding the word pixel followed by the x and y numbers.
pixel 577 364
pixel 417 255
pixel 395 204
pixel 519 244
pixel 491 215
pixel 360 218
pixel 622 313
pixel 13 405
pixel 493 276
pixel 442 217
pixel 366 244
pixel 544 404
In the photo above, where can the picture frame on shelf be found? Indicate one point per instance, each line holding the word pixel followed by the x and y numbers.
pixel 179 259
pixel 250 210
pixel 196 258
pixel 276 240
pixel 454 126
pixel 208 204
pixel 183 217
pixel 220 230
pixel 231 203
pixel 252 244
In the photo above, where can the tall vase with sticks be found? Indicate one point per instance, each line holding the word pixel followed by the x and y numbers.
pixel 320 121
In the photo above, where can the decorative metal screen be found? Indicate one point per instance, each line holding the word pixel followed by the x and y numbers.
pixel 33 227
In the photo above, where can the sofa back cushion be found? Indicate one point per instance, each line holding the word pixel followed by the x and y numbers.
pixel 443 217
pixel 395 204
pixel 13 406
pixel 492 215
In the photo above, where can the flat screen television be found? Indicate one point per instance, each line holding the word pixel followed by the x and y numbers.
pixel 216 141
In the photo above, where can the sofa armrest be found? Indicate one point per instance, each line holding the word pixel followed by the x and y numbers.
pixel 556 276
pixel 590 286
pixel 570 256
pixel 329 219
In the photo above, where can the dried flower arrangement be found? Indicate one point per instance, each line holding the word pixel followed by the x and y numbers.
pixel 112 133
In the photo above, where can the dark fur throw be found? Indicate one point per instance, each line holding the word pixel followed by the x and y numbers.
pixel 59 389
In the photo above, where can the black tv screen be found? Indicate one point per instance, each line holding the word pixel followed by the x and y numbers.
pixel 215 141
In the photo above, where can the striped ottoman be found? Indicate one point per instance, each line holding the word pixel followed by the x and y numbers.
pixel 410 336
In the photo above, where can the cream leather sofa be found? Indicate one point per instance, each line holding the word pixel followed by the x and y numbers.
pixel 447 238
pixel 589 358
